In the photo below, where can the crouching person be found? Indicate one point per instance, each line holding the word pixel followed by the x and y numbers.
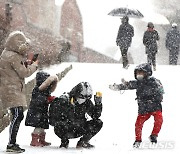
pixel 149 93
pixel 68 115
pixel 37 115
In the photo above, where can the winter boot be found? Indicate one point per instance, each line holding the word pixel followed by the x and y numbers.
pixel 83 144
pixel 42 139
pixel 153 138
pixel 35 140
pixel 136 144
pixel 14 148
pixel 64 143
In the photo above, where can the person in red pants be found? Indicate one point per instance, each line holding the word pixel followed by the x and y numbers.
pixel 149 92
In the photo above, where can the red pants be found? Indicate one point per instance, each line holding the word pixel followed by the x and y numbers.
pixel 158 120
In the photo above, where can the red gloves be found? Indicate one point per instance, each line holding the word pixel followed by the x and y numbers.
pixel 51 98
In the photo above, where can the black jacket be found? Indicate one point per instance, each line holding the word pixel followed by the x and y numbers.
pixel 150 39
pixel 148 94
pixel 173 39
pixel 125 34
pixel 37 115
pixel 63 112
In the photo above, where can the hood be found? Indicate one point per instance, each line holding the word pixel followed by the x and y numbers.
pixel 143 67
pixel 17 42
pixel 83 89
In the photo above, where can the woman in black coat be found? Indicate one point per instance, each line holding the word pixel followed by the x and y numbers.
pixel 37 115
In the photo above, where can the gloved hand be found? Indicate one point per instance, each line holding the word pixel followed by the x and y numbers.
pixel 98 98
pixel 114 87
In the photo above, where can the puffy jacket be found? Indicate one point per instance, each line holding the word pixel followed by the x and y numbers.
pixel 63 112
pixel 148 94
pixel 37 115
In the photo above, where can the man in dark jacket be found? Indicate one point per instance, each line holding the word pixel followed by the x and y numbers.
pixel 149 97
pixel 68 115
pixel 124 39
pixel 172 44
pixel 150 39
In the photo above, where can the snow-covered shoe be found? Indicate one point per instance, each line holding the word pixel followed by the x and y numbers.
pixel 137 144
pixel 82 144
pixel 14 148
pixel 42 139
pixel 153 138
pixel 35 140
pixel 64 143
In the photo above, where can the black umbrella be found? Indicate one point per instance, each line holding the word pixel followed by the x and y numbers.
pixel 124 11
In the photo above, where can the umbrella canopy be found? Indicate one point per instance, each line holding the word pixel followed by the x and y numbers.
pixel 124 11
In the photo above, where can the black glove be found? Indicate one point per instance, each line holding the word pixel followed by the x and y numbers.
pixel 98 98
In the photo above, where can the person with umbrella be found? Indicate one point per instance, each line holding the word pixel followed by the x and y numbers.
pixel 150 39
pixel 172 44
pixel 124 39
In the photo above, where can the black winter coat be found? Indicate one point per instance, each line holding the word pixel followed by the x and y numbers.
pixel 37 115
pixel 148 95
pixel 173 39
pixel 150 39
pixel 63 112
pixel 125 34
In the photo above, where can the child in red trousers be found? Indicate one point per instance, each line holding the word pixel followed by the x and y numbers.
pixel 149 93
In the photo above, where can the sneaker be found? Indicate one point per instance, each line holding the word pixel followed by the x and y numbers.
pixel 153 138
pixel 14 148
pixel 136 144
pixel 82 144
pixel 64 144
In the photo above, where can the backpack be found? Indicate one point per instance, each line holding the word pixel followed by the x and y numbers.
pixel 160 86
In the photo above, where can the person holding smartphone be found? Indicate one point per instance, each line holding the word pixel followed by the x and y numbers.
pixel 12 78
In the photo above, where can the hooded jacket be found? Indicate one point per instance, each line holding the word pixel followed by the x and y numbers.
pixel 12 72
pixel 37 115
pixel 66 110
pixel 148 95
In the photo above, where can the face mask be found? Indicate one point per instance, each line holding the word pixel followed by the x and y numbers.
pixel 81 100
pixel 140 76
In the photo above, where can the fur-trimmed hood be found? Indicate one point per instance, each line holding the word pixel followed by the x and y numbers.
pixel 17 42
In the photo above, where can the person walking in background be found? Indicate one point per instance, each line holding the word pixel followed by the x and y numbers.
pixel 172 44
pixel 150 39
pixel 149 92
pixel 12 82
pixel 37 115
pixel 124 39
pixel 68 115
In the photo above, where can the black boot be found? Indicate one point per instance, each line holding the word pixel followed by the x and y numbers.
pixel 14 148
pixel 136 144
pixel 83 144
pixel 153 138
pixel 64 143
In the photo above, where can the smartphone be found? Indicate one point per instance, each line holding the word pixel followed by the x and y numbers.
pixel 35 57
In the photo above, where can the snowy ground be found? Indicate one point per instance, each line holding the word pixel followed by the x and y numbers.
pixel 119 113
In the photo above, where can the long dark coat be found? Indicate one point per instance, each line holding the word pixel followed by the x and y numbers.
pixel 173 39
pixel 37 115
pixel 150 39
pixel 124 36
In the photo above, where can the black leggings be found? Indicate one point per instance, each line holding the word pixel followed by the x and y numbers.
pixel 90 129
pixel 17 117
